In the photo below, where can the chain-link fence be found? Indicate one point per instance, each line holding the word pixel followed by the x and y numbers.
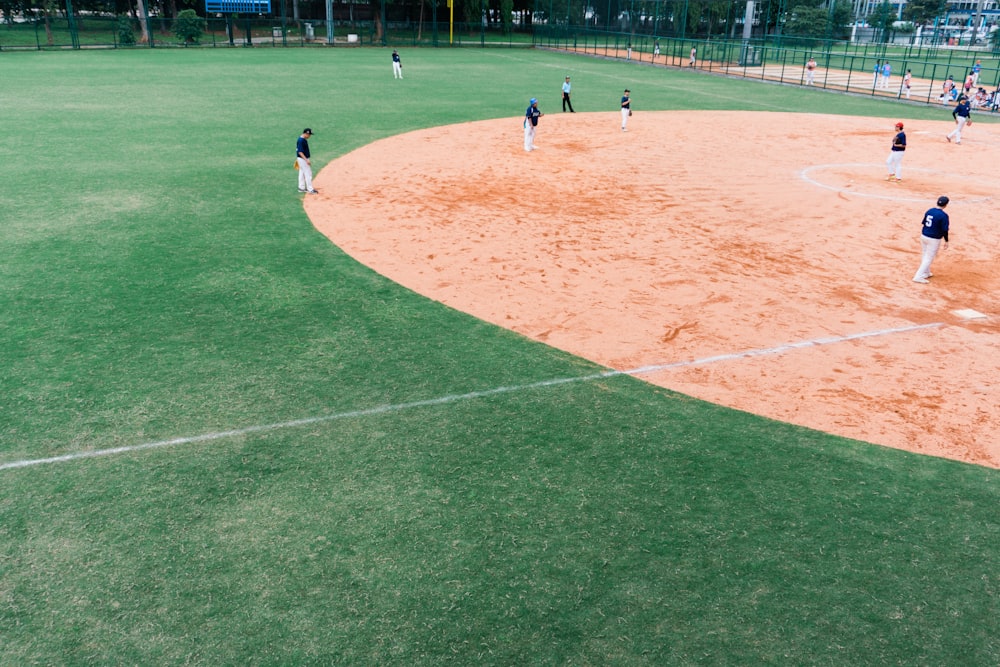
pixel 937 75
pixel 240 31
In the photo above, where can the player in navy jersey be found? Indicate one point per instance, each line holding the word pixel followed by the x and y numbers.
pixel 303 163
pixel 895 160
pixel 962 119
pixel 934 230
pixel 626 108
pixel 397 65
pixel 531 117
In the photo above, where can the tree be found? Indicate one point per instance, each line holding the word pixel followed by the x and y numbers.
pixel 507 15
pixel 140 14
pixel 922 12
pixel 49 9
pixel 188 26
pixel 881 20
pixel 817 23
pixel 126 37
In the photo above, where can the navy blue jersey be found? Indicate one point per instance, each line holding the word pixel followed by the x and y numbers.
pixel 961 109
pixel 899 142
pixel 626 102
pixel 532 114
pixel 302 146
pixel 935 224
pixel 395 57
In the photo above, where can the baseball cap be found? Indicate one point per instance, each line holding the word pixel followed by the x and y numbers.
pixel 943 201
pixel 899 125
pixel 533 100
pixel 307 131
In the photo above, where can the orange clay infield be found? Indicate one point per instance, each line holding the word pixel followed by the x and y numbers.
pixel 760 259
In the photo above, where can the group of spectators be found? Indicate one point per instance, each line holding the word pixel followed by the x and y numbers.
pixel 978 96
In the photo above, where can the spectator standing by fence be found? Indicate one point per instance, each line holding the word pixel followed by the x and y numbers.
pixel 694 56
pixel 907 83
pixel 810 70
pixel 886 73
pixel 976 69
pixel 876 72
pixel 946 89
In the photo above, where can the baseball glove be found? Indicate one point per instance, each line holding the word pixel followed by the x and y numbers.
pixel 296 164
pixel 629 112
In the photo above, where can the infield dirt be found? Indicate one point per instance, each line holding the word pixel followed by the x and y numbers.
pixel 718 236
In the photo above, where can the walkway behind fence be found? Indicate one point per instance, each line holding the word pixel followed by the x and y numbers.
pixel 841 70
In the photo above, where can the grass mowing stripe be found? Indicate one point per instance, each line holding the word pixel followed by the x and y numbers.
pixel 382 409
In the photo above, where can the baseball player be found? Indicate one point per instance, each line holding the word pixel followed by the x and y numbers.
pixel 303 164
pixel 566 88
pixel 810 71
pixel 907 83
pixel 895 161
pixel 694 56
pixel 934 230
pixel 961 116
pixel 626 109
pixel 397 66
pixel 531 117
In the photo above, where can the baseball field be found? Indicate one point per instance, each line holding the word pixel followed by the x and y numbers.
pixel 226 440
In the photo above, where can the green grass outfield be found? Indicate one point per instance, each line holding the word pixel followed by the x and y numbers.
pixel 365 476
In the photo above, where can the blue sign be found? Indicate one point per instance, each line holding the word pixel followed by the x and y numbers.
pixel 237 6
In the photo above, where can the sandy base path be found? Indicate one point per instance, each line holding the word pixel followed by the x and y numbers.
pixel 707 242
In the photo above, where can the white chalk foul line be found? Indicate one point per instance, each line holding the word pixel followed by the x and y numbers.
pixel 453 398
pixel 806 175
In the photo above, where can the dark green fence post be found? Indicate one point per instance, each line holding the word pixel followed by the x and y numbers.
pixel 74 36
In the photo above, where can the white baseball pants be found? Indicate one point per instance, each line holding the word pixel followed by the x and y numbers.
pixel 895 164
pixel 305 174
pixel 929 249
pixel 956 134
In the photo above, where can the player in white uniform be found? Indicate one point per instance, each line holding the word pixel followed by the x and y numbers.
pixel 626 109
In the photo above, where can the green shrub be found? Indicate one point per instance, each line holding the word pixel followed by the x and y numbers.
pixel 188 26
pixel 126 36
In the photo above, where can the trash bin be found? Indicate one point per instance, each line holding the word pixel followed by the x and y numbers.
pixel 276 33
pixel 352 39
pixel 310 32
